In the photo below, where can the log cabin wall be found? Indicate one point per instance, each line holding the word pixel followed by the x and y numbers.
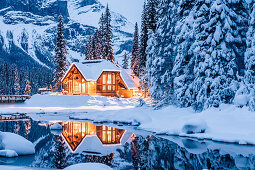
pixel 107 84
pixel 74 83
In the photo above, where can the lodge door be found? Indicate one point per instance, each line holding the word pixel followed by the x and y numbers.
pixel 77 85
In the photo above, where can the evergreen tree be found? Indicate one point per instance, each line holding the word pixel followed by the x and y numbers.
pixel 60 56
pixel 184 58
pixel 101 37
pixel 202 17
pixel 143 40
pixel 28 88
pixel 108 35
pixel 218 57
pixel 125 61
pixel 135 52
pixel 16 81
pixel 248 87
pixel 160 53
pixel 60 159
pixel 152 14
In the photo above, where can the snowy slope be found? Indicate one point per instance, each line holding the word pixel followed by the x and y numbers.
pixel 30 34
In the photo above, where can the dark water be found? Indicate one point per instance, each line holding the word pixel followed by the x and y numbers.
pixel 122 148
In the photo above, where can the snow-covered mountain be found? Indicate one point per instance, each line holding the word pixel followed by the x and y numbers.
pixel 28 28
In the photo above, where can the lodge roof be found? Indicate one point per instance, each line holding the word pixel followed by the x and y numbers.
pixel 92 69
pixel 92 143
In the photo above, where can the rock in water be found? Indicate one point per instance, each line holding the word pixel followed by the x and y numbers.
pixel 56 126
pixel 8 153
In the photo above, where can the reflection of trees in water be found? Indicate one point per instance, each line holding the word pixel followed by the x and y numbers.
pixel 156 153
pixel 29 129
pixel 60 159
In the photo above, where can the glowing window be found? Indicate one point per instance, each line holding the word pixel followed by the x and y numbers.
pixel 109 88
pixel 109 80
pixel 113 78
pixel 104 79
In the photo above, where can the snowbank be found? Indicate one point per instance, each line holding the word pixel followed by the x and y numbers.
pixel 17 143
pixel 88 166
pixel 8 153
pixel 227 123
pixel 56 126
pixel 68 103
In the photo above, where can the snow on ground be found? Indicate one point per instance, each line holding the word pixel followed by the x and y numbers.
pixel 8 153
pixel 17 143
pixel 227 123
pixel 88 166
pixel 67 103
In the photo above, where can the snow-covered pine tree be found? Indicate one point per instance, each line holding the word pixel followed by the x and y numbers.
pixel 160 54
pixel 184 58
pixel 60 56
pixel 143 39
pixel 93 48
pixel 152 14
pixel 28 88
pixel 101 37
pixel 249 78
pixel 108 35
pixel 87 50
pixel 16 81
pixel 125 61
pixel 98 45
pixel 222 48
pixel 59 159
pixel 135 52
pixel 200 30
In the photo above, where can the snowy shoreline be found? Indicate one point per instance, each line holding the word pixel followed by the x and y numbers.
pixel 227 123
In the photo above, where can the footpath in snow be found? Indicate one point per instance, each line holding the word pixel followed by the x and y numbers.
pixel 227 123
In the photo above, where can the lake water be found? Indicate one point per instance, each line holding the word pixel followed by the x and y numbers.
pixel 122 147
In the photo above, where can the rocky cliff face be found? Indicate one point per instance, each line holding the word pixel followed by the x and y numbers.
pixel 28 28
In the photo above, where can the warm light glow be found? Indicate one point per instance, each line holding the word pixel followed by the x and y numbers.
pixel 74 133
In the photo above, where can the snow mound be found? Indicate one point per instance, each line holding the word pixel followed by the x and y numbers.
pixel 17 143
pixel 56 126
pixel 241 100
pixel 88 166
pixel 194 126
pixel 8 153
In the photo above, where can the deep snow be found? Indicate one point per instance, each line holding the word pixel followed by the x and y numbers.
pixel 88 166
pixel 17 143
pixel 227 123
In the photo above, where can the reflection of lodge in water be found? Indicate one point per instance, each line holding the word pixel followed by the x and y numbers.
pixel 85 136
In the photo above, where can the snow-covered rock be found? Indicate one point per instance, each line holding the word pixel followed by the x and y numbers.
pixel 56 126
pixel 88 166
pixel 8 153
pixel 241 100
pixel 194 126
pixel 17 143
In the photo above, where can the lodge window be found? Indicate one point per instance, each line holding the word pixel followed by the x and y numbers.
pixel 109 135
pixel 107 82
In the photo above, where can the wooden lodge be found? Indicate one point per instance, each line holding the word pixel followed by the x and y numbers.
pixel 99 77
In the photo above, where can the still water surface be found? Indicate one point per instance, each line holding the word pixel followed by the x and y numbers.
pixel 122 147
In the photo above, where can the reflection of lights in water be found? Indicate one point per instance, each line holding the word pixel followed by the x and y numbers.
pixel 74 133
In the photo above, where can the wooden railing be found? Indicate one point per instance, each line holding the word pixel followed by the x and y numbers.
pixel 14 117
pixel 13 98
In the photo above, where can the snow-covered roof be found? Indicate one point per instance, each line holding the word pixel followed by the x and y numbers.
pixel 91 143
pixel 92 69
